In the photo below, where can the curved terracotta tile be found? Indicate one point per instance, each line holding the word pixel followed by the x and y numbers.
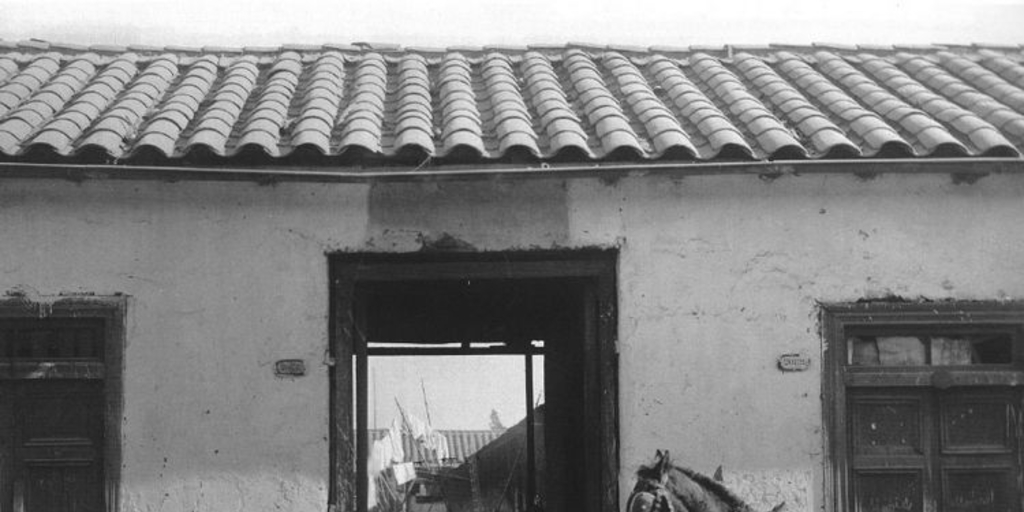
pixel 823 135
pixel 605 118
pixel 976 105
pixel 621 144
pixel 460 119
pixel 558 126
pixel 213 126
pixel 123 118
pixel 507 114
pixel 561 104
pixel 48 100
pixel 875 97
pixel 25 83
pixel 712 132
pixel 52 139
pixel 414 121
pixel 157 137
pixel 163 129
pixel 462 142
pixel 261 139
pixel 312 138
pixel 12 132
pixel 360 123
pixel 659 123
pixel 108 141
pixel 318 106
pixel 212 140
pixel 268 115
pixel 771 135
pixel 1004 67
pixel 569 142
pixel 8 67
pixel 410 139
pixel 991 139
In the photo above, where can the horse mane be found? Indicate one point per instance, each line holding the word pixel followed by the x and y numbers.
pixel 659 472
pixel 714 487
pixel 731 500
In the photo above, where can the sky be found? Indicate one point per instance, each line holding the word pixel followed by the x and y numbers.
pixel 512 22
pixel 460 391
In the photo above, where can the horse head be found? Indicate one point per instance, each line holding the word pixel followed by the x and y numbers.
pixel 664 487
pixel 650 493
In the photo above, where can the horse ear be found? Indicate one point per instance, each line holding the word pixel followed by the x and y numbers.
pixel 663 463
pixel 779 507
pixel 718 474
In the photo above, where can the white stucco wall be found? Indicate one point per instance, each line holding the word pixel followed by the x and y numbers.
pixel 718 276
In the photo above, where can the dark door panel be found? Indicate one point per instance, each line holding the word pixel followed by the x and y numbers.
pixel 53 456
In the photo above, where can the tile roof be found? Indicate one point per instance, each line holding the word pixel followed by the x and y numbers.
pixel 379 104
pixel 461 444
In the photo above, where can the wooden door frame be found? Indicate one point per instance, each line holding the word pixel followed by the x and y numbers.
pixel 835 319
pixel 600 368
pixel 111 310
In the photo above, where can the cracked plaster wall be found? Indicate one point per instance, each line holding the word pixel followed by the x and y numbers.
pixel 718 276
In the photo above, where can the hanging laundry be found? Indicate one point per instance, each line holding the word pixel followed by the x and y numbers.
pixel 380 457
pixel 404 472
pixel 394 436
pixel 371 493
pixel 440 443
pixel 418 428
pixel 379 460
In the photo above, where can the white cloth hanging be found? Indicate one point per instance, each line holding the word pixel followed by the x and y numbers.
pixel 394 436
pixel 418 428
pixel 404 472
pixel 380 456
pixel 441 446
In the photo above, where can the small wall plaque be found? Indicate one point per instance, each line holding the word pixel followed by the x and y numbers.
pixel 290 368
pixel 794 362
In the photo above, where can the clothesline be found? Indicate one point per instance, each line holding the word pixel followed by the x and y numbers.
pixel 388 452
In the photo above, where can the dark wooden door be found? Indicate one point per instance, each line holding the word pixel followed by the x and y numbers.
pixel 924 449
pixel 52 446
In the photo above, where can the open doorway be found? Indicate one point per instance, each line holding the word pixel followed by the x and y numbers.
pixel 473 383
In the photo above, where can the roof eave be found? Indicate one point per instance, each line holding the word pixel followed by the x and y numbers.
pixel 962 169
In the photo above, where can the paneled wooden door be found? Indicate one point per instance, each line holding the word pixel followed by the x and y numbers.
pixel 55 439
pixel 52 405
pixel 924 450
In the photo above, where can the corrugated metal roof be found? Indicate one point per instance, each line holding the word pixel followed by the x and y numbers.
pixel 371 103
pixel 461 444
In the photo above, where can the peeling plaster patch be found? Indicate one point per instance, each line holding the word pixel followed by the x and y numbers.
pixel 445 243
pixel 484 215
pixel 765 489
pixel 30 299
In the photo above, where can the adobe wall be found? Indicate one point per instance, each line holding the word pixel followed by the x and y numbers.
pixel 718 276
